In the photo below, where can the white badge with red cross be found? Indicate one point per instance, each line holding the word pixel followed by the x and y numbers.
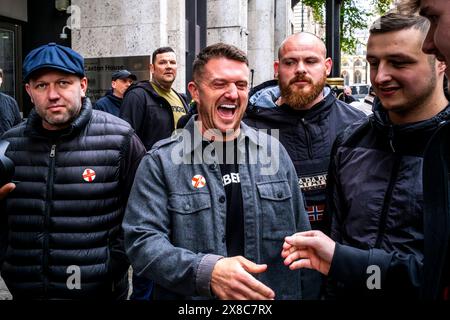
pixel 198 181
pixel 89 175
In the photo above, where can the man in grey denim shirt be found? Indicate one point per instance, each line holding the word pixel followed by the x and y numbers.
pixel 176 221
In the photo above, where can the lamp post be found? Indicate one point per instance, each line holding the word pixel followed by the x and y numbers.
pixel 333 10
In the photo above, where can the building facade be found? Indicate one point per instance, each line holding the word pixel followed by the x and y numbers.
pixel 113 34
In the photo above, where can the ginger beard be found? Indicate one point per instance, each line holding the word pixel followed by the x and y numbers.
pixel 299 98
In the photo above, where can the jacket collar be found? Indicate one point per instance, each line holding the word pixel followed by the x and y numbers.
pixel 380 120
pixel 262 105
pixel 34 124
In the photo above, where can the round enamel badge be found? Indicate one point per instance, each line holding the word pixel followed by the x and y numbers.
pixel 198 181
pixel 89 175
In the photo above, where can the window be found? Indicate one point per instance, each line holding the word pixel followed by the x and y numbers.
pixel 358 63
pixel 357 76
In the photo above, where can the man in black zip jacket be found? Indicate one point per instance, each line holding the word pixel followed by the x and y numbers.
pixel 306 113
pixel 60 226
pixel 375 176
pixel 308 117
pixel 153 108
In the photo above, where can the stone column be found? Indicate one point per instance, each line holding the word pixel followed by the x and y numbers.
pixel 227 22
pixel 283 23
pixel 176 31
pixel 261 39
pixel 116 28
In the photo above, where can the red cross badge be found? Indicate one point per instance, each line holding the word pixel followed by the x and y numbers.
pixel 89 175
pixel 198 181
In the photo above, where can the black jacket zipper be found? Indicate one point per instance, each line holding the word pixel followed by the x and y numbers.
pixel 308 138
pixel 387 201
pixel 51 171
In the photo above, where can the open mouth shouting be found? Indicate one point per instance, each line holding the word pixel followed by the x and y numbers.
pixel 227 111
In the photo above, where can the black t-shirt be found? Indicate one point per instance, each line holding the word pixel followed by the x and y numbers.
pixel 229 168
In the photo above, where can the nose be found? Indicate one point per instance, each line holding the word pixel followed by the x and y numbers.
pixel 428 45
pixel 300 68
pixel 232 91
pixel 53 93
pixel 382 74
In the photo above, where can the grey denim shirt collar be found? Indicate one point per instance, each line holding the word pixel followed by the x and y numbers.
pixel 193 130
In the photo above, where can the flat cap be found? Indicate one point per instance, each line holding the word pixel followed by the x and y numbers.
pixel 53 56
pixel 123 74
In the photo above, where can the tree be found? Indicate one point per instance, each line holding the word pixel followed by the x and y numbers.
pixel 353 17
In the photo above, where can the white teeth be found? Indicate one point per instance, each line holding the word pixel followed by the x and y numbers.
pixel 228 106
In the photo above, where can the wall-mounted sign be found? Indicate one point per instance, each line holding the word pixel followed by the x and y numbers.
pixel 99 71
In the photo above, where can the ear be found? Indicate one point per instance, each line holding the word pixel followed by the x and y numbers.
pixel 441 66
pixel 328 65
pixel 113 84
pixel 276 65
pixel 193 90
pixel 83 84
pixel 152 68
pixel 28 89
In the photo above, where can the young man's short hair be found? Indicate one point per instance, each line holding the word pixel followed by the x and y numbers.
pixel 395 21
pixel 218 50
pixel 408 6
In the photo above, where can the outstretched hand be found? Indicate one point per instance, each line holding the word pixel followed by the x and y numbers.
pixel 309 249
pixel 232 279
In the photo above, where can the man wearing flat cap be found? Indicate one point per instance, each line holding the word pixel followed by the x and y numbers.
pixel 60 227
pixel 112 100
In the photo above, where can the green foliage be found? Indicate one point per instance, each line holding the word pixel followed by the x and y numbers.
pixel 353 17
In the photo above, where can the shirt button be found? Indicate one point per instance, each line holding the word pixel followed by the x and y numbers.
pixel 222 199
pixel 187 207
pixel 280 194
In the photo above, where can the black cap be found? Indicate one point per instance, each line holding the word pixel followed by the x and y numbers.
pixel 123 74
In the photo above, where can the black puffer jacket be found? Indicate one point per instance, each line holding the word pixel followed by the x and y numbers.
pixel 377 211
pixel 9 113
pixel 60 215
pixel 307 136
pixel 148 113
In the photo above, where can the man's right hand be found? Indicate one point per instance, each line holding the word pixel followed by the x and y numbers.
pixel 6 189
pixel 232 280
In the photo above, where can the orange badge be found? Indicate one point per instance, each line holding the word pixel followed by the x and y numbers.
pixel 198 181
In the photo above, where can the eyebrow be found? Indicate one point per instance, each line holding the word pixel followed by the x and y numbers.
pixel 392 56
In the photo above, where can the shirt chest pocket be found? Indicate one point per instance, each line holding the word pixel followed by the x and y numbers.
pixel 189 203
pixel 192 220
pixel 277 209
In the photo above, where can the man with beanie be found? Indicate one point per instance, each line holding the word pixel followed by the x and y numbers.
pixel 112 100
pixel 60 228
